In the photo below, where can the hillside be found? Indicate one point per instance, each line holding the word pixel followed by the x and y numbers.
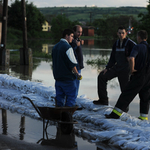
pixel 87 13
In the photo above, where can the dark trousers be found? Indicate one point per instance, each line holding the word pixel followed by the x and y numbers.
pixel 123 77
pixel 139 84
pixel 66 93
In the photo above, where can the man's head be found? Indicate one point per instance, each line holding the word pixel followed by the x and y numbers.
pixel 142 36
pixel 77 31
pixel 68 35
pixel 122 33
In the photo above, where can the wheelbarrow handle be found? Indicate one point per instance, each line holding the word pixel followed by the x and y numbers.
pixel 33 105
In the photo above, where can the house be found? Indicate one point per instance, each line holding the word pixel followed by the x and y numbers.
pixel 88 31
pixel 46 26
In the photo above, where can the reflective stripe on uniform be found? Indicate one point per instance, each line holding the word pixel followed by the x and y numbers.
pixel 119 110
pixel 143 115
pixel 143 118
pixel 120 49
pixel 116 112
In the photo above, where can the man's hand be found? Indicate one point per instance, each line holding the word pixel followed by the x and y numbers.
pixel 79 76
pixel 78 43
pixel 74 70
pixel 132 71
pixel 82 42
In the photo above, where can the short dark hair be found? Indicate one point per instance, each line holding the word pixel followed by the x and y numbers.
pixel 67 32
pixel 143 34
pixel 122 28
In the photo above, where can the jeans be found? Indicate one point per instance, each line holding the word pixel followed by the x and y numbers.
pixel 66 93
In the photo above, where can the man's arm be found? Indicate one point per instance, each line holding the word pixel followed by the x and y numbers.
pixel 72 58
pixel 132 64
pixel 75 71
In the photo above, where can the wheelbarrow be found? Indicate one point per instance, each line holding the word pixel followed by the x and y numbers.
pixel 61 115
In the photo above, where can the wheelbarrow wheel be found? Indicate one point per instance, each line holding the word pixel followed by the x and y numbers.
pixel 66 128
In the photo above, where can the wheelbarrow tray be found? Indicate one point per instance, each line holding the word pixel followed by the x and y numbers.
pixel 62 115
pixel 54 113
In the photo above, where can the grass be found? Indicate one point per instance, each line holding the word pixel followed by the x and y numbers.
pixel 13 45
pixel 98 61
pixel 87 37
pixel 41 55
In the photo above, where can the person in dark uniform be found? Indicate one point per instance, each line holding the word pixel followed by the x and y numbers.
pixel 140 80
pixel 118 66
pixel 76 45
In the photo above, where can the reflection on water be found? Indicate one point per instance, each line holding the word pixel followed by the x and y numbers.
pixel 62 140
pixel 11 122
pixel 22 128
pixel 89 42
pixel 4 121
pixel 45 48
pixel 22 72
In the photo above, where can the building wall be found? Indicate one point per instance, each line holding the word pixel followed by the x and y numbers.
pixel 46 26
pixel 90 32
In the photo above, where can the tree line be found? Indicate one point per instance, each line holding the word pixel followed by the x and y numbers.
pixel 83 13
pixel 105 26
pixel 35 19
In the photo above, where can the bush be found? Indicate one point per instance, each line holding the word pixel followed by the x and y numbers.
pixel 13 33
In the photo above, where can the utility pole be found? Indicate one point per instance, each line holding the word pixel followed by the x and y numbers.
pixel 4 24
pixel 25 52
pixel 4 54
pixel 90 17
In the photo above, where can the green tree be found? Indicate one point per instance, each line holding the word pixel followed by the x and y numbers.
pixel 34 17
pixel 144 21
pixel 108 25
pixel 100 26
pixel 59 23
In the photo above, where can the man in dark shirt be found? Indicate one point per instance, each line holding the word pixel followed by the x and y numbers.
pixel 117 66
pixel 139 82
pixel 76 45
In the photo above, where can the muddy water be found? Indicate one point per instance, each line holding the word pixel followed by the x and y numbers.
pixel 31 130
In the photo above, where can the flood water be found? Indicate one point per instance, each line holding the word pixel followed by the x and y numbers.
pixel 21 127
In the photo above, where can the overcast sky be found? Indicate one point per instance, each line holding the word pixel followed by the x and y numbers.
pixel 88 3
